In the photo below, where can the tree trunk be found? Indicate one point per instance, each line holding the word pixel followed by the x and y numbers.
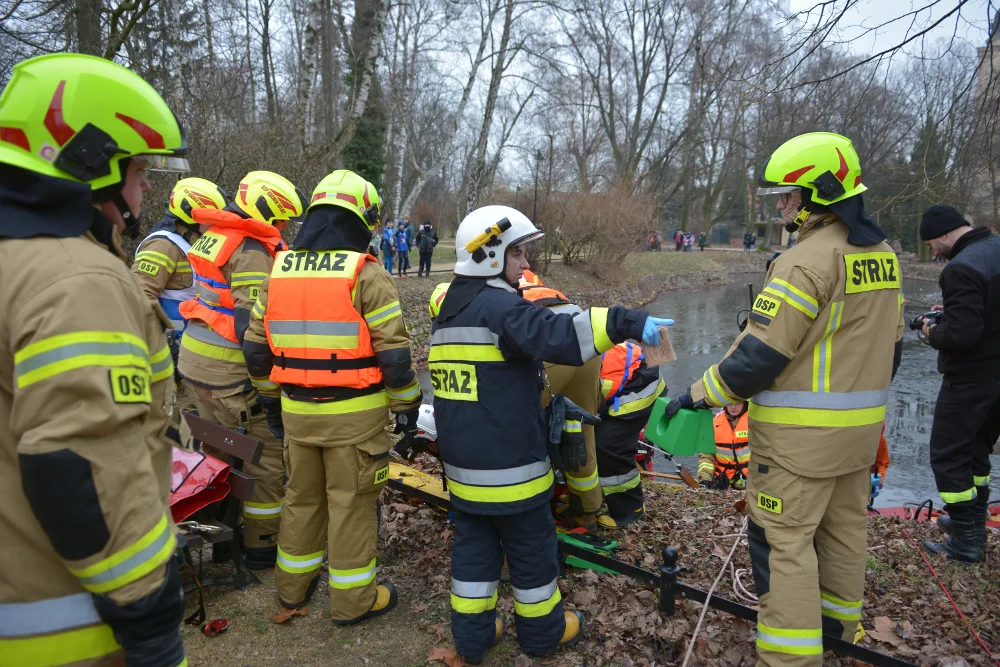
pixel 206 8
pixel 250 65
pixel 313 37
pixel 265 49
pixel 89 38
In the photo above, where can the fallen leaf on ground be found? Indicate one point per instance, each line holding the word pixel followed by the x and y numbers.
pixel 436 630
pixel 885 631
pixel 523 661
pixel 287 614
pixel 448 656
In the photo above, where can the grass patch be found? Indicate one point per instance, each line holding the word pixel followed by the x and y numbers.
pixel 641 264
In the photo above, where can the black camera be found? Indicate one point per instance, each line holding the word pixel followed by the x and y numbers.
pixel 918 322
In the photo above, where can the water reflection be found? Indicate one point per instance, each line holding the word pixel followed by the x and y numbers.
pixel 706 327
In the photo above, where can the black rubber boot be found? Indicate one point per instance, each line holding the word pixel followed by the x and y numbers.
pixel 980 514
pixel 961 545
pixel 260 559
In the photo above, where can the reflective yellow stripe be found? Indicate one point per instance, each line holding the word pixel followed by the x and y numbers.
pixel 501 494
pixel 59 649
pixel 161 365
pixel 790 641
pixel 132 563
pixel 473 605
pixel 262 511
pixel 159 258
pixel 583 483
pixel 341 407
pixel 229 355
pixel 314 341
pixel 356 578
pixel 66 352
pixel 793 296
pixel 705 466
pixel 572 426
pixel 537 609
pixel 383 314
pixel 299 564
pixel 249 274
pixel 245 282
pixel 978 480
pixel 628 405
pixel 714 390
pixel 961 497
pixel 407 393
pixel 464 353
pixel 258 310
pixel 627 485
pixel 823 350
pixel 183 267
pixel 263 383
pixel 817 418
pixel 843 610
pixel 599 326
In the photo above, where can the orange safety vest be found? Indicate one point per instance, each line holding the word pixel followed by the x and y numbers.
pixel 882 456
pixel 732 453
pixel 318 338
pixel 213 304
pixel 543 296
pixel 529 277
pixel 617 366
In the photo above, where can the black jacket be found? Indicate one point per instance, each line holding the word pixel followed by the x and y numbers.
pixel 966 338
pixel 426 239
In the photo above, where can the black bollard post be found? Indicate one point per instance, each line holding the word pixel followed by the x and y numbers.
pixel 668 580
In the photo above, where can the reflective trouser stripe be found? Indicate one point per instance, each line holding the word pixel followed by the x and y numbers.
pixel 790 640
pixel 473 597
pixel 356 578
pixel 132 563
pixel 21 619
pixel 583 483
pixel 823 350
pixel 161 365
pixel 620 483
pixel 981 481
pixel 64 648
pixel 299 564
pixel 338 407
pixel 261 511
pixel 504 485
pixel 960 497
pixel 817 418
pixel 843 610
pixel 51 356
pixel 536 602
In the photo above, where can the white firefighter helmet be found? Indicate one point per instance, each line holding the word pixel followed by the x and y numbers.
pixel 483 238
pixel 426 427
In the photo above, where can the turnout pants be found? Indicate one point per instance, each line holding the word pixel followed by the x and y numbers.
pixel 582 385
pixel 234 408
pixel 617 443
pixel 331 503
pixel 965 429
pixel 425 262
pixel 529 541
pixel 808 540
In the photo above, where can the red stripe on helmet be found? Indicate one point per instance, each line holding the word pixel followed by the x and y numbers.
pixel 367 201
pixel 54 121
pixel 842 172
pixel 16 136
pixel 857 181
pixel 318 195
pixel 153 139
pixel 243 193
pixel 793 176
pixel 281 200
pixel 348 198
pixel 203 199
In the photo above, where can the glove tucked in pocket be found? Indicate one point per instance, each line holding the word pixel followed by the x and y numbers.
pixel 566 444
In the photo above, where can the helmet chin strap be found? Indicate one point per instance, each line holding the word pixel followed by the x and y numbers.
pixel 130 218
pixel 805 210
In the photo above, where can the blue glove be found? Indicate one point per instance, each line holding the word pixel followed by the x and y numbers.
pixel 876 480
pixel 651 330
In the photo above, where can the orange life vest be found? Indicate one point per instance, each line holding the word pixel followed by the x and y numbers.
pixel 543 296
pixel 732 451
pixel 617 366
pixel 318 338
pixel 882 456
pixel 529 277
pixel 213 304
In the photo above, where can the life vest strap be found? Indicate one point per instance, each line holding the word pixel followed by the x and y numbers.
pixel 333 364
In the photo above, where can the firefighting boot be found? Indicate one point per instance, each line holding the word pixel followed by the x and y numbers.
pixel 961 545
pixel 262 558
pixel 385 600
pixel 576 624
pixel 980 514
pixel 497 638
pixel 608 521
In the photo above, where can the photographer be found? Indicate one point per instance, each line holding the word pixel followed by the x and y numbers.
pixel 967 413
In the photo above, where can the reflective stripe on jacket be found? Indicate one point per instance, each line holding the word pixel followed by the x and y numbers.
pixel 171 299
pixel 213 303
pixel 316 335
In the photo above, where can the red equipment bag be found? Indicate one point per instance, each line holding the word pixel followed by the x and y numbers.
pixel 198 481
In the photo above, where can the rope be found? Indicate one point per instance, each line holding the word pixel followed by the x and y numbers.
pixel 740 591
pixel 708 597
pixel 951 599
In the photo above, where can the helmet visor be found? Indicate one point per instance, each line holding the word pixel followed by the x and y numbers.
pixel 777 190
pixel 170 163
pixel 533 236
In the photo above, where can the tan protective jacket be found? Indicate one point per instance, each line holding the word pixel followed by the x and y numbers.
pixel 209 359
pixel 376 299
pixel 85 378
pixel 160 265
pixel 816 357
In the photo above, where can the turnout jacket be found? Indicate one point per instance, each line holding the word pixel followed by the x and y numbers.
pixel 485 364
pixel 966 337
pixel 162 269
pixel 86 380
pixel 817 355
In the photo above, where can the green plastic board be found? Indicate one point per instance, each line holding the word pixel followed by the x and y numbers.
pixel 689 432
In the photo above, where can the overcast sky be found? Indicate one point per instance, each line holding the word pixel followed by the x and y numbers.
pixel 972 25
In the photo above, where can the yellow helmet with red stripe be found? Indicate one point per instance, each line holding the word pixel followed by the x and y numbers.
pixel 267 197
pixel 348 190
pixel 191 193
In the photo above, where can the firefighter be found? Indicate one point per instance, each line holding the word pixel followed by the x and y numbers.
pixel 328 329
pixel 485 344
pixel 90 574
pixel 580 384
pixel 816 358
pixel 629 388
pixel 230 261
pixel 727 468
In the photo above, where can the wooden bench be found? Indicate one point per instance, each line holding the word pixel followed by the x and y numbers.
pixel 239 448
